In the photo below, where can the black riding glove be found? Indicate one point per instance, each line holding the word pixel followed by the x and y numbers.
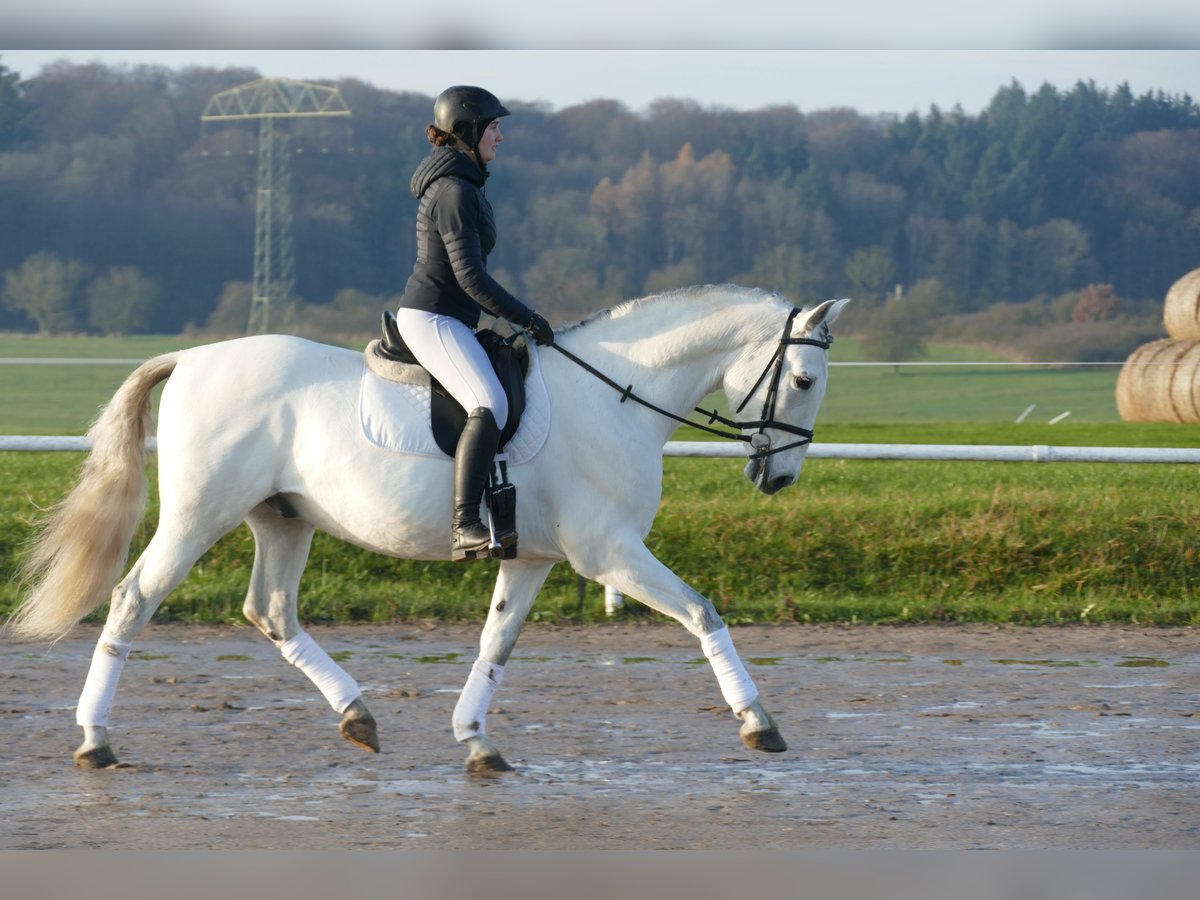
pixel 543 334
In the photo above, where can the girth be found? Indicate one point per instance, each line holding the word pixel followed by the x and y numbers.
pixel 391 359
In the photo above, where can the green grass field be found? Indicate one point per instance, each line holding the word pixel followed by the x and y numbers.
pixel 63 399
pixel 867 541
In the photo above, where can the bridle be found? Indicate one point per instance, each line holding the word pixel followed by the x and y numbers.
pixel 760 442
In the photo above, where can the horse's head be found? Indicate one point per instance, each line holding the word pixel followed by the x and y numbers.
pixel 784 391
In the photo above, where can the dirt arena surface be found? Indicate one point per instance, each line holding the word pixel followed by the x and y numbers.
pixel 900 737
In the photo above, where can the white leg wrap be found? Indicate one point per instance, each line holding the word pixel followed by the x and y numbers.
pixel 100 688
pixel 737 687
pixel 470 713
pixel 331 679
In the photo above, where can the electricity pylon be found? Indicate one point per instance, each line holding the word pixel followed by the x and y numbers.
pixel 267 101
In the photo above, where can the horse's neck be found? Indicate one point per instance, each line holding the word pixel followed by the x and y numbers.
pixel 675 351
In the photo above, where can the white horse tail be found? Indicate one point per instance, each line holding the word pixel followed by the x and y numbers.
pixel 84 544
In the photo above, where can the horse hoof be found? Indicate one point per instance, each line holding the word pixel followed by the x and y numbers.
pixel 768 741
pixel 361 731
pixel 96 758
pixel 487 764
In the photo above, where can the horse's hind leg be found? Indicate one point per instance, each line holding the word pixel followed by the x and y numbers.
pixel 281 547
pixel 517 586
pixel 164 563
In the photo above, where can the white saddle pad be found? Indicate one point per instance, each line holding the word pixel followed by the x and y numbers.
pixel 395 416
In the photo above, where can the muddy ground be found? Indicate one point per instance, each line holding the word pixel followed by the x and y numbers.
pixel 912 737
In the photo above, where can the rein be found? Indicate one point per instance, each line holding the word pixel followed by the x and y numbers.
pixel 759 441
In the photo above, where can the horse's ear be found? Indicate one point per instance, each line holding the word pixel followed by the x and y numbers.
pixel 826 313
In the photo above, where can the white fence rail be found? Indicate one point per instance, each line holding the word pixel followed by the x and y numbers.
pixel 978 452
pixel 713 449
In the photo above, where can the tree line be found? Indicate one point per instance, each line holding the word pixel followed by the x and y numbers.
pixel 123 213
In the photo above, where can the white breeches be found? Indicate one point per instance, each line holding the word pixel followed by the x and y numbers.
pixel 451 353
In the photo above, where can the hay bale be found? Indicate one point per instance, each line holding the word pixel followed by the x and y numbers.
pixel 1181 314
pixel 1160 382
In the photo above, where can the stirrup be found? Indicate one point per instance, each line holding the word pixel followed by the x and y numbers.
pixel 501 501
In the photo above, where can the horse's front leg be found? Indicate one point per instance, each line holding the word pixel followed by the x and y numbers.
pixel 634 570
pixel 517 587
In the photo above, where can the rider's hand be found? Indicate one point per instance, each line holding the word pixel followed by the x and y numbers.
pixel 543 334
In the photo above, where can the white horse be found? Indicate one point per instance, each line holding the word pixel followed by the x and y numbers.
pixel 265 430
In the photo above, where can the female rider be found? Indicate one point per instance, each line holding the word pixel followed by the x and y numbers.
pixel 449 289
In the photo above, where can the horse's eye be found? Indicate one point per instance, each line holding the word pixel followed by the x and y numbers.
pixel 801 382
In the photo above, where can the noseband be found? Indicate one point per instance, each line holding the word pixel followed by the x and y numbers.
pixel 760 441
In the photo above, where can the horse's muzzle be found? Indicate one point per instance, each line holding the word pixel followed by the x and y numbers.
pixel 764 482
pixel 758 470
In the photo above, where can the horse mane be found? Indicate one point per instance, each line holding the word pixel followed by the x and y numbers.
pixel 694 294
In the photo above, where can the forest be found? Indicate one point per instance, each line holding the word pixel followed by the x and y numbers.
pixel 1052 222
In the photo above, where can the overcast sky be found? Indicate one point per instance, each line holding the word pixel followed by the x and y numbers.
pixel 871 55
pixel 871 81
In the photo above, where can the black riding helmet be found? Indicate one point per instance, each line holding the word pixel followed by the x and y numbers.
pixel 465 111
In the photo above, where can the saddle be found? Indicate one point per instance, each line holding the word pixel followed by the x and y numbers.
pixel 391 359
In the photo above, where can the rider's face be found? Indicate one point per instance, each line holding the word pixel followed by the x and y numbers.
pixel 489 141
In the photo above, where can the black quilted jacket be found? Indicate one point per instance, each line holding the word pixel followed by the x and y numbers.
pixel 455 233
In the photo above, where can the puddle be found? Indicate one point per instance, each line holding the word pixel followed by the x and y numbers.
pixel 1133 685
pixel 850 715
pixel 1050 663
pixel 1046 730
pixel 922 778
pixel 927 799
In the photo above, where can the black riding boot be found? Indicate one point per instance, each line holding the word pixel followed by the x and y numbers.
pixel 472 465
